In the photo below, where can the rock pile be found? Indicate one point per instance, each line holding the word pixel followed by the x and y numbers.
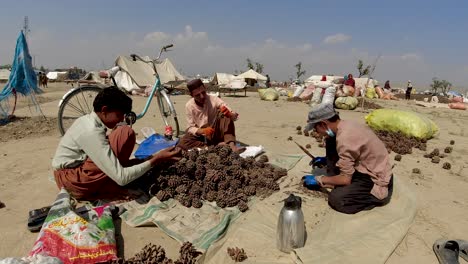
pixel 216 174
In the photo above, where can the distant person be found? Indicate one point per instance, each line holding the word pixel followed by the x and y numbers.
pixel 324 78
pixel 268 83
pixel 44 80
pixel 350 81
pixel 39 79
pixel 387 87
pixel 210 121
pixel 92 163
pixel 409 89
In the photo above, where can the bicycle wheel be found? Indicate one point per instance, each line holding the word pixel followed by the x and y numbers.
pixel 168 113
pixel 75 104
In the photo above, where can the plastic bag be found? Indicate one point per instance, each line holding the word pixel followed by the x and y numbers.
pixel 370 93
pixel 307 93
pixel 76 239
pixel 408 123
pixel 346 103
pixel 269 94
pixel 329 96
pixel 298 91
pixel 153 144
pixel 316 97
pixel 459 106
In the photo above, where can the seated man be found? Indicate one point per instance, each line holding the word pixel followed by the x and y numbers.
pixel 91 165
pixel 210 121
pixel 363 175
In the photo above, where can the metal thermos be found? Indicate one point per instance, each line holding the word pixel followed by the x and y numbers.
pixel 291 228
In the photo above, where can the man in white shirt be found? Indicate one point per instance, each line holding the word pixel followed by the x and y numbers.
pixel 91 165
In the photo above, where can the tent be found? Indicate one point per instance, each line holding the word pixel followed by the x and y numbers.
pixel 316 78
pixel 56 76
pixel 222 79
pixel 91 77
pixel 251 74
pixel 135 75
pixel 4 75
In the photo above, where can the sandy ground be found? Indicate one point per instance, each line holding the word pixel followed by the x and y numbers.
pixel 28 145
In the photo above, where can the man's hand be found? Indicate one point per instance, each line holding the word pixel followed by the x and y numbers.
pixel 165 155
pixel 311 181
pixel 318 162
pixel 225 111
pixel 206 131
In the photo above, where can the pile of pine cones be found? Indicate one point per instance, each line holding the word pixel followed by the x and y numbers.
pixel 399 143
pixel 154 254
pixel 216 174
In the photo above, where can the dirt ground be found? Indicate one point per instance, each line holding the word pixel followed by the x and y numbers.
pixel 28 145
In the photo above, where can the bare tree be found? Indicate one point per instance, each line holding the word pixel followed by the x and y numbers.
pixel 250 64
pixel 363 70
pixel 299 71
pixel 259 67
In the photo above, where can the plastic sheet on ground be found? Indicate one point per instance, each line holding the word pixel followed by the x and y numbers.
pixel 366 237
pixel 201 226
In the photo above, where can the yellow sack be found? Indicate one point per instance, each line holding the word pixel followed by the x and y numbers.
pixel 370 93
pixel 269 94
pixel 346 103
pixel 408 123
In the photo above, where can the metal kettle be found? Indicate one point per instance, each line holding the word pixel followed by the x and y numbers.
pixel 290 231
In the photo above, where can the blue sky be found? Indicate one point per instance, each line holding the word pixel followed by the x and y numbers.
pixel 417 40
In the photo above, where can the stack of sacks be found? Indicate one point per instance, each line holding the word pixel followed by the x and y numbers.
pixel 307 93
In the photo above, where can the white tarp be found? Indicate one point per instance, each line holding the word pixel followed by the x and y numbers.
pixel 4 74
pixel 56 75
pixel 138 74
pixel 315 78
pixel 251 74
pixel 222 79
pixel 92 76
pixel 362 82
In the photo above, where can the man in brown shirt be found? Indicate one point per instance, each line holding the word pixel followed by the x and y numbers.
pixel 363 175
pixel 210 121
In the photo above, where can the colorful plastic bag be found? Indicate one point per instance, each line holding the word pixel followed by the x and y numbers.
pixel 408 123
pixel 76 239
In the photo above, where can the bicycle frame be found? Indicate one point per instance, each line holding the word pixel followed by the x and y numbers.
pixel 157 87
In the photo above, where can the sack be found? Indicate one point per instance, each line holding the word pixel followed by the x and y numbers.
pixel 348 90
pixel 379 92
pixel 346 103
pixel 308 92
pixel 323 84
pixel 459 106
pixel 370 93
pixel 457 99
pixel 269 94
pixel 298 91
pixel 329 96
pixel 75 239
pixel 316 97
pixel 408 123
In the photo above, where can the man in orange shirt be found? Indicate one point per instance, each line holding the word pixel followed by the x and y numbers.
pixel 210 121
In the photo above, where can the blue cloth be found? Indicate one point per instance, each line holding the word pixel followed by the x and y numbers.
pixel 318 162
pixel 153 144
pixel 22 77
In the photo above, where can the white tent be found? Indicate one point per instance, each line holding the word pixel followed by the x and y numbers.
pixel 4 75
pixel 91 77
pixel 251 74
pixel 56 76
pixel 136 75
pixel 222 79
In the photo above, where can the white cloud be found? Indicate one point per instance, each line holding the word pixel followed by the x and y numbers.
pixel 337 38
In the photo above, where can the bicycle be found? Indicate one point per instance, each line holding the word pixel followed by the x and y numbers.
pixel 79 101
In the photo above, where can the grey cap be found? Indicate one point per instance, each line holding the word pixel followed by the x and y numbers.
pixel 319 113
